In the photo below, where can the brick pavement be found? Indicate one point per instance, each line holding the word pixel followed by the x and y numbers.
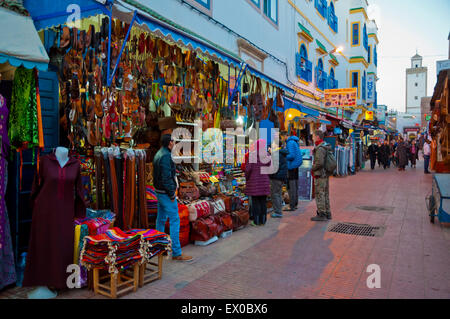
pixel 293 257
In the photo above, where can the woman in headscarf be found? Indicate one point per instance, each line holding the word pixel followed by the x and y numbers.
pixel 258 182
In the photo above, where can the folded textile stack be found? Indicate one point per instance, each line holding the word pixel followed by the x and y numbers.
pixel 152 201
pixel 117 250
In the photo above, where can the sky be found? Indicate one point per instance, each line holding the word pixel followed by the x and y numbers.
pixel 405 26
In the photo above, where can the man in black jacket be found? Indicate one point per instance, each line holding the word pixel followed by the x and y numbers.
pixel 165 183
pixel 373 151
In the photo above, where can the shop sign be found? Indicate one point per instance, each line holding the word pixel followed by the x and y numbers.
pixel 369 115
pixel 370 98
pixel 342 98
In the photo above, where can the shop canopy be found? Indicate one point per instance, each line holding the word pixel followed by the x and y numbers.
pixel 165 28
pixel 288 103
pixel 20 44
pixel 49 13
pixel 323 121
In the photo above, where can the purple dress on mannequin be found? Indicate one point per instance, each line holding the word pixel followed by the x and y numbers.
pixel 7 269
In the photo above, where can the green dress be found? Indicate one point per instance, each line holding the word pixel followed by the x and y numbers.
pixel 23 123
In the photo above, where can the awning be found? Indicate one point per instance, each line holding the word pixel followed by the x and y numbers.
pixel 19 42
pixel 49 13
pixel 151 21
pixel 288 103
pixel 323 121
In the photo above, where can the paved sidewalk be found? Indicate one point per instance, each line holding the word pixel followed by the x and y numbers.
pixel 294 257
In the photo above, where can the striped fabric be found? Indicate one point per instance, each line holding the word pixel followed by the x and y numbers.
pixel 116 249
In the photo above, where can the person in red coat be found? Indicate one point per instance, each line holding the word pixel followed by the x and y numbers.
pixel 258 182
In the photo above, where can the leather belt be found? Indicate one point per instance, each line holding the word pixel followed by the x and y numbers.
pixel 99 179
pixel 142 190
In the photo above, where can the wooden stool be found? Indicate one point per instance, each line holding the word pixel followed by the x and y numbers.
pixel 112 285
pixel 150 271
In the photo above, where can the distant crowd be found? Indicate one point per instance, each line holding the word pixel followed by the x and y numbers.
pixel 400 153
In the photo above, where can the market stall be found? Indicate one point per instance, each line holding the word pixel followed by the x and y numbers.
pixel 118 79
pixel 21 57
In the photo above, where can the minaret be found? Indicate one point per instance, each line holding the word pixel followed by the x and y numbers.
pixel 416 85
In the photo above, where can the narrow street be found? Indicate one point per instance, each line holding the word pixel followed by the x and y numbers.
pixel 294 257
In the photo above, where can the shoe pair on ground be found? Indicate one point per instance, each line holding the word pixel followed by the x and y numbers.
pixel 321 217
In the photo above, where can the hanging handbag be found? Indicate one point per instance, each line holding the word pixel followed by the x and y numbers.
pixel 256 100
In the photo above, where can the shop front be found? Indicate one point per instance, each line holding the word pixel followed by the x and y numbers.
pixel 118 80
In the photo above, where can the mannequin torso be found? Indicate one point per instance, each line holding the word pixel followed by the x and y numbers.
pixel 62 155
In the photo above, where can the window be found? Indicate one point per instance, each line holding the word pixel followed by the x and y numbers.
pixel 332 82
pixel 355 34
pixel 365 38
pixel 364 86
pixel 303 67
pixel 203 5
pixel 355 80
pixel 332 19
pixel 415 84
pixel 415 98
pixel 271 10
pixel 375 56
pixel 369 55
pixel 321 6
pixel 256 3
pixel 416 65
pixel 321 76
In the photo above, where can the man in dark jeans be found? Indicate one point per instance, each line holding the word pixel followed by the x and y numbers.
pixel 165 183
pixel 294 160
pixel 276 181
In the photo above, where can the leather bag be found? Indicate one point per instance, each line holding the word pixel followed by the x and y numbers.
pixel 217 206
pixel 240 219
pixel 205 228
pixel 188 191
pixel 226 221
pixel 199 209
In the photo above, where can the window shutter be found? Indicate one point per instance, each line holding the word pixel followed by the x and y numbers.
pixel 309 70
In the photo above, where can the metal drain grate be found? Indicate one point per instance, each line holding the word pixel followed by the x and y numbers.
pixel 357 229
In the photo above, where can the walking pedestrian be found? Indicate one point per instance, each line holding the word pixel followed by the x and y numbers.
pixel 385 153
pixel 277 180
pixel 402 154
pixel 294 160
pixel 379 154
pixel 426 155
pixel 393 153
pixel 373 151
pixel 413 153
pixel 165 183
pixel 321 179
pixel 257 182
